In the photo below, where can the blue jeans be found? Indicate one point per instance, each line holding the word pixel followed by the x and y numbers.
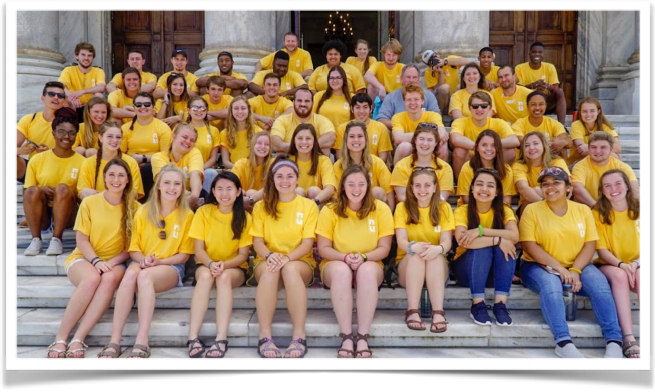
pixel 594 286
pixel 473 269
pixel 209 175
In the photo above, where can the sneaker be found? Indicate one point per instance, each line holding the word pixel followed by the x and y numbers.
pixel 55 247
pixel 502 315
pixel 613 350
pixel 568 351
pixel 479 314
pixel 34 248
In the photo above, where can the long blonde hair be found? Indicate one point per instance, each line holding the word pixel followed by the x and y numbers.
pixel 252 157
pixel 154 200
pixel 88 136
pixel 231 125
pixel 546 157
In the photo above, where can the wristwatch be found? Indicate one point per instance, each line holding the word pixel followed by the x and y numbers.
pixel 445 62
pixel 251 200
pixel 318 202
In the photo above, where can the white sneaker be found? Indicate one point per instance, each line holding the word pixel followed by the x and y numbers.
pixel 55 247
pixel 613 350
pixel 34 248
pixel 568 351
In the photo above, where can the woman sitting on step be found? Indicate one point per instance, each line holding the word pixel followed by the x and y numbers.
pixel 159 247
pixel 354 234
pixel 220 230
pixel 96 266
pixel 251 170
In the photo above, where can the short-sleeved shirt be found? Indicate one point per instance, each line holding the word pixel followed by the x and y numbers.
pixel 389 78
pixel 466 176
pixel 513 107
pixel 562 237
pixel 75 80
pixel 403 169
pixel 243 170
pixel 318 79
pixel 296 220
pixel 551 128
pixel 146 77
pixel 492 76
pixel 621 238
pixel 234 74
pixel 450 74
pixel 259 105
pixel 324 174
pixel 118 99
pixel 215 229
pixel 526 75
pixel 354 61
pixel 424 230
pixel 336 108
pixel 191 161
pixel 80 136
pixel 379 173
pixel 378 137
pixel 300 60
pixel 146 139
pixel 288 82
pixel 92 179
pixel 465 126
pixel 179 107
pixel 242 145
pixel 402 121
pixel 588 173
pixel 579 131
pixel 394 104
pixel 287 123
pixel 189 77
pixel 145 234
pixel 35 128
pixel 207 140
pixel 47 169
pixel 531 175
pixel 223 104
pixel 486 220
pixel 460 100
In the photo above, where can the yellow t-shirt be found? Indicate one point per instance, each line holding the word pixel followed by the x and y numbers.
pixel 179 107
pixel 223 104
pixel 47 169
pixel 579 131
pixel 423 231
pixel 551 128
pixel 324 174
pixel 242 148
pixel 336 108
pixel 562 237
pixel 37 130
pixel 379 174
pixel 513 107
pixel 404 167
pixel 80 135
pixel 75 80
pixel 492 76
pixel 146 139
pixel 352 234
pixel 526 75
pixel 287 123
pixel 466 177
pixel 215 228
pixel 207 140
pixel 295 221
pixel 522 173
pixel 101 222
pixel 300 60
pixel 486 220
pixel 587 173
pixel 243 170
pixel 460 100
pixel 274 110
pixel 191 161
pixel 234 74
pixel 145 234
pixel 88 175
pixel 354 61
pixel 450 74
pixel 118 99
pixel 621 237
pixel 378 137
pixel 289 81
pixel 465 126
pixel 146 77
pixel 402 122
pixel 318 79
pixel 389 78
pixel 190 81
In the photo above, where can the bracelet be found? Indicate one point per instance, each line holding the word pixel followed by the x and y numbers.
pixel 481 230
pixel 364 257
pixel 409 248
pixel 287 256
pixel 95 260
pixel 317 201
pixel 210 263
pixel 576 270
pixel 499 239
pixel 267 256
pixel 619 265
pixel 443 250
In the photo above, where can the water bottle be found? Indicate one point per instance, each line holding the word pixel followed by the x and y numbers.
pixel 570 302
pixel 426 305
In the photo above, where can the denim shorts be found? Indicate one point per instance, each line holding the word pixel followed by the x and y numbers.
pixel 179 269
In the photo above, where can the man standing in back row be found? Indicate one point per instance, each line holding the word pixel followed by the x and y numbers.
pixel 299 59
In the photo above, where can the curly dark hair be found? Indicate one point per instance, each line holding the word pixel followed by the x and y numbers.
pixel 335 44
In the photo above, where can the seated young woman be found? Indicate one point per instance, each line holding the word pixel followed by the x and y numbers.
pixel 172 109
pixel 251 170
pixel 97 111
pixel 240 125
pixel 208 141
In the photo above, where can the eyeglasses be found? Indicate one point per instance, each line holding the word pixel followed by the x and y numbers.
pixel 479 105
pixel 422 168
pixel 142 104
pixel 61 132
pixel 427 125
pixel 52 94
pixel 335 78
pixel 162 233
pixel 551 171
pixel 199 108
pixel 485 170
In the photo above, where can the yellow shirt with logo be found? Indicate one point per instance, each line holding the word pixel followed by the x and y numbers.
pixel 562 237
pixel 486 220
pixel 242 148
pixel 378 137
pixel 389 78
pixel 145 234
pixel 287 123
pixel 243 170
pixel 403 169
pixel 259 105
pixel 146 77
pixel 146 139
pixel 80 135
pixel 513 107
pixel 234 74
pixel 423 231
pixel 324 174
pixel 587 173
pixel 460 100
pixel 75 80
pixel 207 140
pixel 179 107
pixel 47 169
pixel 526 75
pixel 118 99
pixel 579 131
pixel 300 60
pixel 37 130
pixel 354 61
pixel 466 177
pixel 318 79
pixel 190 81
pixel 191 161
pixel 336 108
pixel 379 174
pixel 92 179
pixel 288 82
pixel 531 175
pixel 450 73
pixel 402 122
pixel 621 238
pixel 223 104
pixel 551 128
pixel 465 126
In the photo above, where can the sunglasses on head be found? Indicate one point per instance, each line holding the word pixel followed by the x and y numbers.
pixel 423 168
pixel 52 94
pixel 427 125
pixel 142 104
pixel 162 233
pixel 551 171
pixel 479 105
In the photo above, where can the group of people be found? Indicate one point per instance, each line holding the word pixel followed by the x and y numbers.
pixel 305 172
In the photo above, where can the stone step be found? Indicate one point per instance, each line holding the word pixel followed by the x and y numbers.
pixel 37 327
pixel 617 120
pixel 628 132
pixel 630 146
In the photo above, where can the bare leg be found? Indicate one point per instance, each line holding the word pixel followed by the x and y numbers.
pixel 368 277
pixel 63 208
pixel 230 278
pixel 296 275
pixel 411 275
pixel 460 157
pixel 36 213
pixel 199 303
pixel 338 277
pixel 618 281
pixel 403 150
pixel 268 284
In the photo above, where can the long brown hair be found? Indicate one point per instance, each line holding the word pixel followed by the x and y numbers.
pixel 103 128
pixel 499 160
pixel 346 161
pixel 232 126
pixel 170 109
pixel 368 203
pixel 462 83
pixel 252 157
pixel 600 120
pixel 128 199
pixel 497 204
pixel 316 150
pixel 88 136
pixel 366 61
pixel 546 156
pixel 128 71
pixel 271 196
pixel 411 203
pixel 604 206
pixel 329 92
pixel 204 120
pixel 435 152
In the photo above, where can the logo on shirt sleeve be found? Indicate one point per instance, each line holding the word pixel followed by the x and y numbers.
pixel 176 231
pixel 74 173
pixel 371 225
pixel 299 218
pixel 582 229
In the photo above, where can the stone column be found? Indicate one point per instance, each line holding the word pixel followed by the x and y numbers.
pixel 627 97
pixel 39 60
pixel 248 35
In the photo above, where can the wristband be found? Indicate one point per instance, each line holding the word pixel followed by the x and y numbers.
pixel 210 263
pixel 576 270
pixel 480 229
pixel 95 260
pixel 442 249
pixel 317 201
pixel 619 265
pixel 267 256
pixel 287 256
pixel 499 239
pixel 364 257
pixel 409 248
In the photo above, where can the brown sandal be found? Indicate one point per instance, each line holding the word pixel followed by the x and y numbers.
pixel 410 322
pixel 111 354
pixel 349 353
pixel 435 327
pixel 366 350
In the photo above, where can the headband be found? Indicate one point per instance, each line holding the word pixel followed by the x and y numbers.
pixel 287 163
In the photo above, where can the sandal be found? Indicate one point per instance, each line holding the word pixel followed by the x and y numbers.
pixel 112 354
pixel 435 327
pixel 264 346
pixel 51 349
pixel 414 322
pixel 297 347
pixel 144 353
pixel 628 351
pixel 217 349
pixel 71 353
pixel 349 353
pixel 190 343
pixel 366 350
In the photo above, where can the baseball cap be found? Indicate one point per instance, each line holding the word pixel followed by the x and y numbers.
pixel 179 51
pixel 556 172
pixel 427 55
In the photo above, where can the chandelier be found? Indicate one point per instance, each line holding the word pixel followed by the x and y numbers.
pixel 339 27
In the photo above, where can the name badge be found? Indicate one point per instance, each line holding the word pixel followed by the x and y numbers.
pixel 510 101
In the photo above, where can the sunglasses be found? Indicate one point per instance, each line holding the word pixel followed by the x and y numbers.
pixel 61 132
pixel 52 94
pixel 142 104
pixel 199 108
pixel 427 125
pixel 479 105
pixel 162 233
pixel 551 171
pixel 423 168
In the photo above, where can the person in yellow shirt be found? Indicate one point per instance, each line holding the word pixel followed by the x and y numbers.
pixel 362 61
pixel 464 131
pixel 404 124
pixel 586 173
pixel 486 57
pixel 441 76
pixel 534 156
pixel 121 100
pixel 179 61
pixel 184 155
pixel 424 230
pixel 269 106
pixel 220 232
pixel 49 198
pixel 486 156
pixel 537 74
pixel 103 228
pixel 353 236
pixel 299 59
pixel 379 142
pixel 109 143
pixel 472 80
pixel 135 59
pixel 172 109
pixel 251 170
pixel 617 221
pixel 83 80
pixel 208 140
pixel 96 112
pixel 384 77
pixel 356 151
pixel 283 226
pixel 37 127
pixel 590 119
pixel 159 247
pixel 316 174
pixel 334 50
pixel 487 233
pixel 218 101
pixel 239 128
pixel 289 81
pixel 334 102
pixel 235 81
pixel 558 237
pixel 424 154
pixel 510 98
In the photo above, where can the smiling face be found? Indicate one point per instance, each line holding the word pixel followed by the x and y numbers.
pixel 536 54
pixel 355 187
pixel 53 103
pixel 304 141
pixel 116 179
pixel 177 87
pixel 84 58
pixel 356 141
pixel 240 110
pixel 111 139
pixel 362 51
pixel 64 135
pixel 484 188
pixel 179 62
pixel 533 147
pixel 599 151
pixel 290 43
pixel 481 113
pixel 333 57
pixel 413 103
pixel 537 106
pixel 486 58
pixel 280 67
pixel 423 187
pixel 98 113
pixel 143 112
pixel 554 189
pixel 285 180
pixel 471 76
pixel 426 142
pixel 215 92
pixel 225 64
pixel 505 78
pixel 171 185
pixel 226 192
pixel 262 146
pixel 135 60
pixel 390 58
pixel 335 80
pixel 185 140
pixel 614 187
pixel 361 111
pixel 487 149
pixel 197 109
pixel 132 82
pixel 271 87
pixel 589 114
pixel 302 104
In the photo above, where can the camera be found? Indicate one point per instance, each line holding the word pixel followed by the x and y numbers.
pixel 430 58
